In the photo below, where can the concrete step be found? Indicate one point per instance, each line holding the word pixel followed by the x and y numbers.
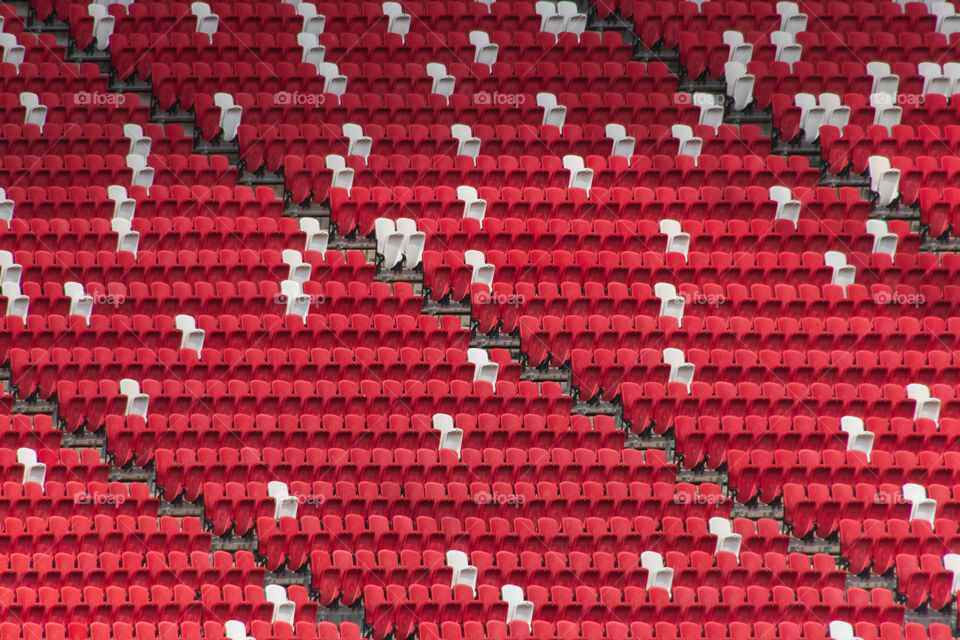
pixel 496 342
pixel 339 615
pixel 447 308
pixel 701 476
pixel 595 409
pixel 403 275
pixel 319 211
pixel 34 407
pixel 633 441
pixel 234 543
pixel 83 440
pixel 753 511
pixel 896 212
pixel 285 578
pixel 926 617
pixel 217 148
pixel 811 545
pixel 184 510
pixel 933 245
pixel 845 180
pixel 871 581
pixel 549 375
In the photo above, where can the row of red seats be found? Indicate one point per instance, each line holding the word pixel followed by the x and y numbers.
pixel 86 139
pixel 827 76
pixel 764 473
pixel 293 539
pixel 40 47
pixel 63 465
pixel 710 300
pixel 843 15
pixel 136 439
pixel 138 51
pixel 356 18
pixel 109 568
pixel 606 370
pixel 235 505
pixel 662 22
pixel 396 610
pixel 63 171
pixel 88 402
pixel 226 297
pixel 179 82
pixel 187 470
pixel 820 507
pixel 271 108
pixel 656 404
pixel 587 630
pixel 747 268
pixel 875 544
pixel 902 305
pixel 187 266
pixel 55 77
pixel 518 630
pixel 925 172
pixel 159 234
pixel 38 370
pixel 33 432
pixel 705 51
pixel 186 630
pixel 225 332
pixel 176 17
pixel 707 439
pixel 939 210
pixel 853 146
pixel 268 145
pixel 554 337
pixel 178 604
pixel 117 534
pixel 461 234
pixel 309 175
pixel 103 171
pixel 229 602
pixel 208 171
pixel 359 208
pixel 75 498
pixel 923 580
pixel 64 108
pixel 158 201
pixel 925 114
pixel 338 575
